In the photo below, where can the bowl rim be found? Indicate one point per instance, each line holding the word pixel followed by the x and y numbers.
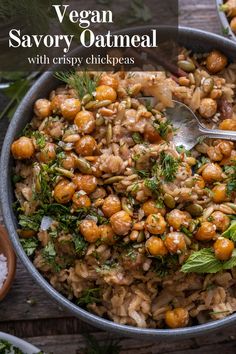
pixel 224 20
pixel 8 251
pixel 20 343
pixel 5 195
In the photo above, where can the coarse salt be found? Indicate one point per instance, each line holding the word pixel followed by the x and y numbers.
pixel 3 270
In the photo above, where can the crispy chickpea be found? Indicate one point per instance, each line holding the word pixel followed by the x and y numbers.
pixel 223 248
pixel 47 153
pixel 121 223
pixel 42 108
pixel 68 162
pixel 104 92
pixel 109 80
pixel 81 201
pixel 216 62
pixel 86 146
pixel 85 122
pixel 90 231
pixel 206 232
pixel 228 124
pixel 151 134
pixel 177 318
pixel 23 148
pixel 233 24
pixel 155 224
pixel 70 107
pixel 219 193
pixel 56 103
pixel 208 107
pixel 212 173
pixel 111 205
pixel 107 234
pixel 220 220
pixel 63 192
pixel 177 218
pixel 86 183
pixel 175 242
pixel 226 147
pixel 156 247
pixel 149 207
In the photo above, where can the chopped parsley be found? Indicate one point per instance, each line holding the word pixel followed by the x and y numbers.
pixel 89 296
pixel 137 138
pixel 29 245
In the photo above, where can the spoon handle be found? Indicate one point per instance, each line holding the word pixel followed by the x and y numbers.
pixel 218 134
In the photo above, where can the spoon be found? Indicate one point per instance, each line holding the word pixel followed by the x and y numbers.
pixel 189 129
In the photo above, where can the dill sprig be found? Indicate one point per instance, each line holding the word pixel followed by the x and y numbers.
pixel 163 127
pixel 81 82
pixel 169 166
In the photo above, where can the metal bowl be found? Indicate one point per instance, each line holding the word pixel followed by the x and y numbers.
pixel 226 30
pixel 199 41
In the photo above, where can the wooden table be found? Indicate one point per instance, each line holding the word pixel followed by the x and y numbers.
pixel 27 311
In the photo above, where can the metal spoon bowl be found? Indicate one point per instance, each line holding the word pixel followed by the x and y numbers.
pixel 189 130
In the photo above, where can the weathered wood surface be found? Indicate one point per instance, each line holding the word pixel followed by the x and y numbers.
pixel 28 312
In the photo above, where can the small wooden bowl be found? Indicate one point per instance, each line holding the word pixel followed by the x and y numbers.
pixel 7 250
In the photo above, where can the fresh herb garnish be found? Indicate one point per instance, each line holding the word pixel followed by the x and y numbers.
pixel 49 252
pixel 137 138
pixel 163 127
pixel 81 82
pixel 29 245
pixel 231 231
pixel 31 222
pixel 231 178
pixel 89 296
pixel 80 245
pixel 169 166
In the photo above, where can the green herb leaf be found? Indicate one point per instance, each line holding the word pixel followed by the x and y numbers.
pixel 231 231
pixel 29 245
pixel 169 166
pixel 30 222
pixel 89 296
pixel 202 261
pixel 49 252
pixel 137 138
pixel 163 128
pixel 231 263
pixel 80 245
pixel 81 82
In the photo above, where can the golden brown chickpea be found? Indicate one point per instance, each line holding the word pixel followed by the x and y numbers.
pixel 80 201
pixel 228 124
pixel 226 147
pixel 177 218
pixel 175 242
pixel 199 182
pixel 233 24
pixel 155 224
pixel 107 234
pixel 121 223
pixel 219 193
pixel 86 146
pixel 98 193
pixel 206 232
pixel 68 162
pixel 212 173
pixel 85 122
pixel 105 92
pixel 156 247
pixel 109 80
pixel 70 107
pixel 23 148
pixel 111 205
pixel 177 318
pixel 42 108
pixel 90 231
pixel 208 107
pixel 151 134
pixel 149 207
pixel 47 153
pixel 56 103
pixel 223 248
pixel 216 61
pixel 86 183
pixel 63 192
pixel 220 220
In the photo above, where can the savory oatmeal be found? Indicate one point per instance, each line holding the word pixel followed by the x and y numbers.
pixel 114 215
